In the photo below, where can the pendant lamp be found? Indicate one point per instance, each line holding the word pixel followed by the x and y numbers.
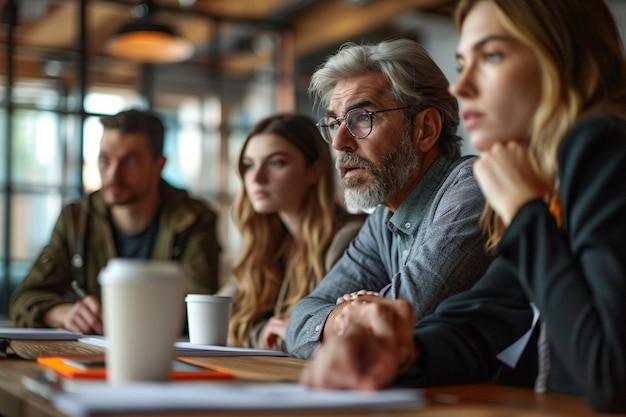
pixel 146 40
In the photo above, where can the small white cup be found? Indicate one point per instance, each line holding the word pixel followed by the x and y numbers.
pixel 208 317
pixel 143 316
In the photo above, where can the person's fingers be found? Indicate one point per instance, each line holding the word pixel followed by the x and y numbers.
pixel 320 371
pixel 342 320
pixel 270 340
pixel 355 295
pixel 395 323
pixel 404 325
pixel 71 326
pixel 76 320
pixel 354 360
pixel 280 330
pixel 86 316
pixel 381 367
pixel 93 305
pixel 361 312
pixel 391 321
pixel 338 363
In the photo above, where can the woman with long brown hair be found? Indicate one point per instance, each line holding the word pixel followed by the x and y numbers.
pixel 293 229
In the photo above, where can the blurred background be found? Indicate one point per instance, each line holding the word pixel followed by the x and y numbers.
pixel 210 68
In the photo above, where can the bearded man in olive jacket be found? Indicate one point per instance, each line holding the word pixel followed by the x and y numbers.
pixel 136 214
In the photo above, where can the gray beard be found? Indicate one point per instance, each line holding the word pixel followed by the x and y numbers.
pixel 388 179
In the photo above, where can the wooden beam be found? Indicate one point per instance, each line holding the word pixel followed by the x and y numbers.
pixel 330 23
pixel 249 9
pixel 319 25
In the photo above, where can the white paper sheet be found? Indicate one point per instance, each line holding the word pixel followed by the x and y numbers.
pixel 190 349
pixel 37 334
pixel 179 396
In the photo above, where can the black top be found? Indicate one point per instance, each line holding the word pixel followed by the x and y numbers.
pixel 575 275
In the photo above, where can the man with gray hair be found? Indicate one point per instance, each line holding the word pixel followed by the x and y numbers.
pixel 389 116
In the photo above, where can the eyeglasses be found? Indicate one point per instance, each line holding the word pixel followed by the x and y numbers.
pixel 358 122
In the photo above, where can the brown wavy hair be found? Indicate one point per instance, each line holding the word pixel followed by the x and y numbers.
pixel 582 71
pixel 270 254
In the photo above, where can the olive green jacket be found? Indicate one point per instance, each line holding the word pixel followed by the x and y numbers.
pixel 187 233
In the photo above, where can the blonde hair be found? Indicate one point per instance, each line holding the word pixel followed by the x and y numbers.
pixel 582 71
pixel 270 255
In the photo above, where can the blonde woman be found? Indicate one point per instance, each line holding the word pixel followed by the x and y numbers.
pixel 545 103
pixel 292 228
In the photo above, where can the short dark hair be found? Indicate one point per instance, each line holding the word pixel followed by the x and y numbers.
pixel 137 121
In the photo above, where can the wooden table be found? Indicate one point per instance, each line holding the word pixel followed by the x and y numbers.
pixel 449 401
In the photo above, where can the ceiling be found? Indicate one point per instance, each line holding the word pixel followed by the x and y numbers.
pixel 50 29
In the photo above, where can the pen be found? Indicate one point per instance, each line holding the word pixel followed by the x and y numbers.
pixel 80 292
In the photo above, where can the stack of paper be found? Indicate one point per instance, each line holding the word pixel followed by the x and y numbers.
pixel 190 349
pixel 37 334
pixel 103 398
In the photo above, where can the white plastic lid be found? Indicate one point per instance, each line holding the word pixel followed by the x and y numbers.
pixel 206 298
pixel 131 271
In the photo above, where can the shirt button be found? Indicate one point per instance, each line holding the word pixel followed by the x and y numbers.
pixel 405 253
pixel 407 225
pixel 77 261
pixel 318 328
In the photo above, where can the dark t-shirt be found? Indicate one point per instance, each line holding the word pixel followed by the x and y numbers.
pixel 138 245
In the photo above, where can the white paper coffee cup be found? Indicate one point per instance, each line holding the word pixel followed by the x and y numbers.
pixel 143 316
pixel 208 317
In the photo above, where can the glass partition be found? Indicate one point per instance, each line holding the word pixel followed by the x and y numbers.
pixel 59 95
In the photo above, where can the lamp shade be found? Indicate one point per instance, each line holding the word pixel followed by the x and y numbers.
pixel 148 41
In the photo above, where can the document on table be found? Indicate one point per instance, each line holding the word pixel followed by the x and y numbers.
pixel 191 349
pixel 38 334
pixel 184 396
pixel 186 348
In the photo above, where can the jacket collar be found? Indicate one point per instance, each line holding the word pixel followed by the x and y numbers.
pixel 178 216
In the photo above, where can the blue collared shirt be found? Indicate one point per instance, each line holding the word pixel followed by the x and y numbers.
pixel 405 222
pixel 430 248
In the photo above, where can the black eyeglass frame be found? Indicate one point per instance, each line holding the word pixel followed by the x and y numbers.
pixel 324 128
